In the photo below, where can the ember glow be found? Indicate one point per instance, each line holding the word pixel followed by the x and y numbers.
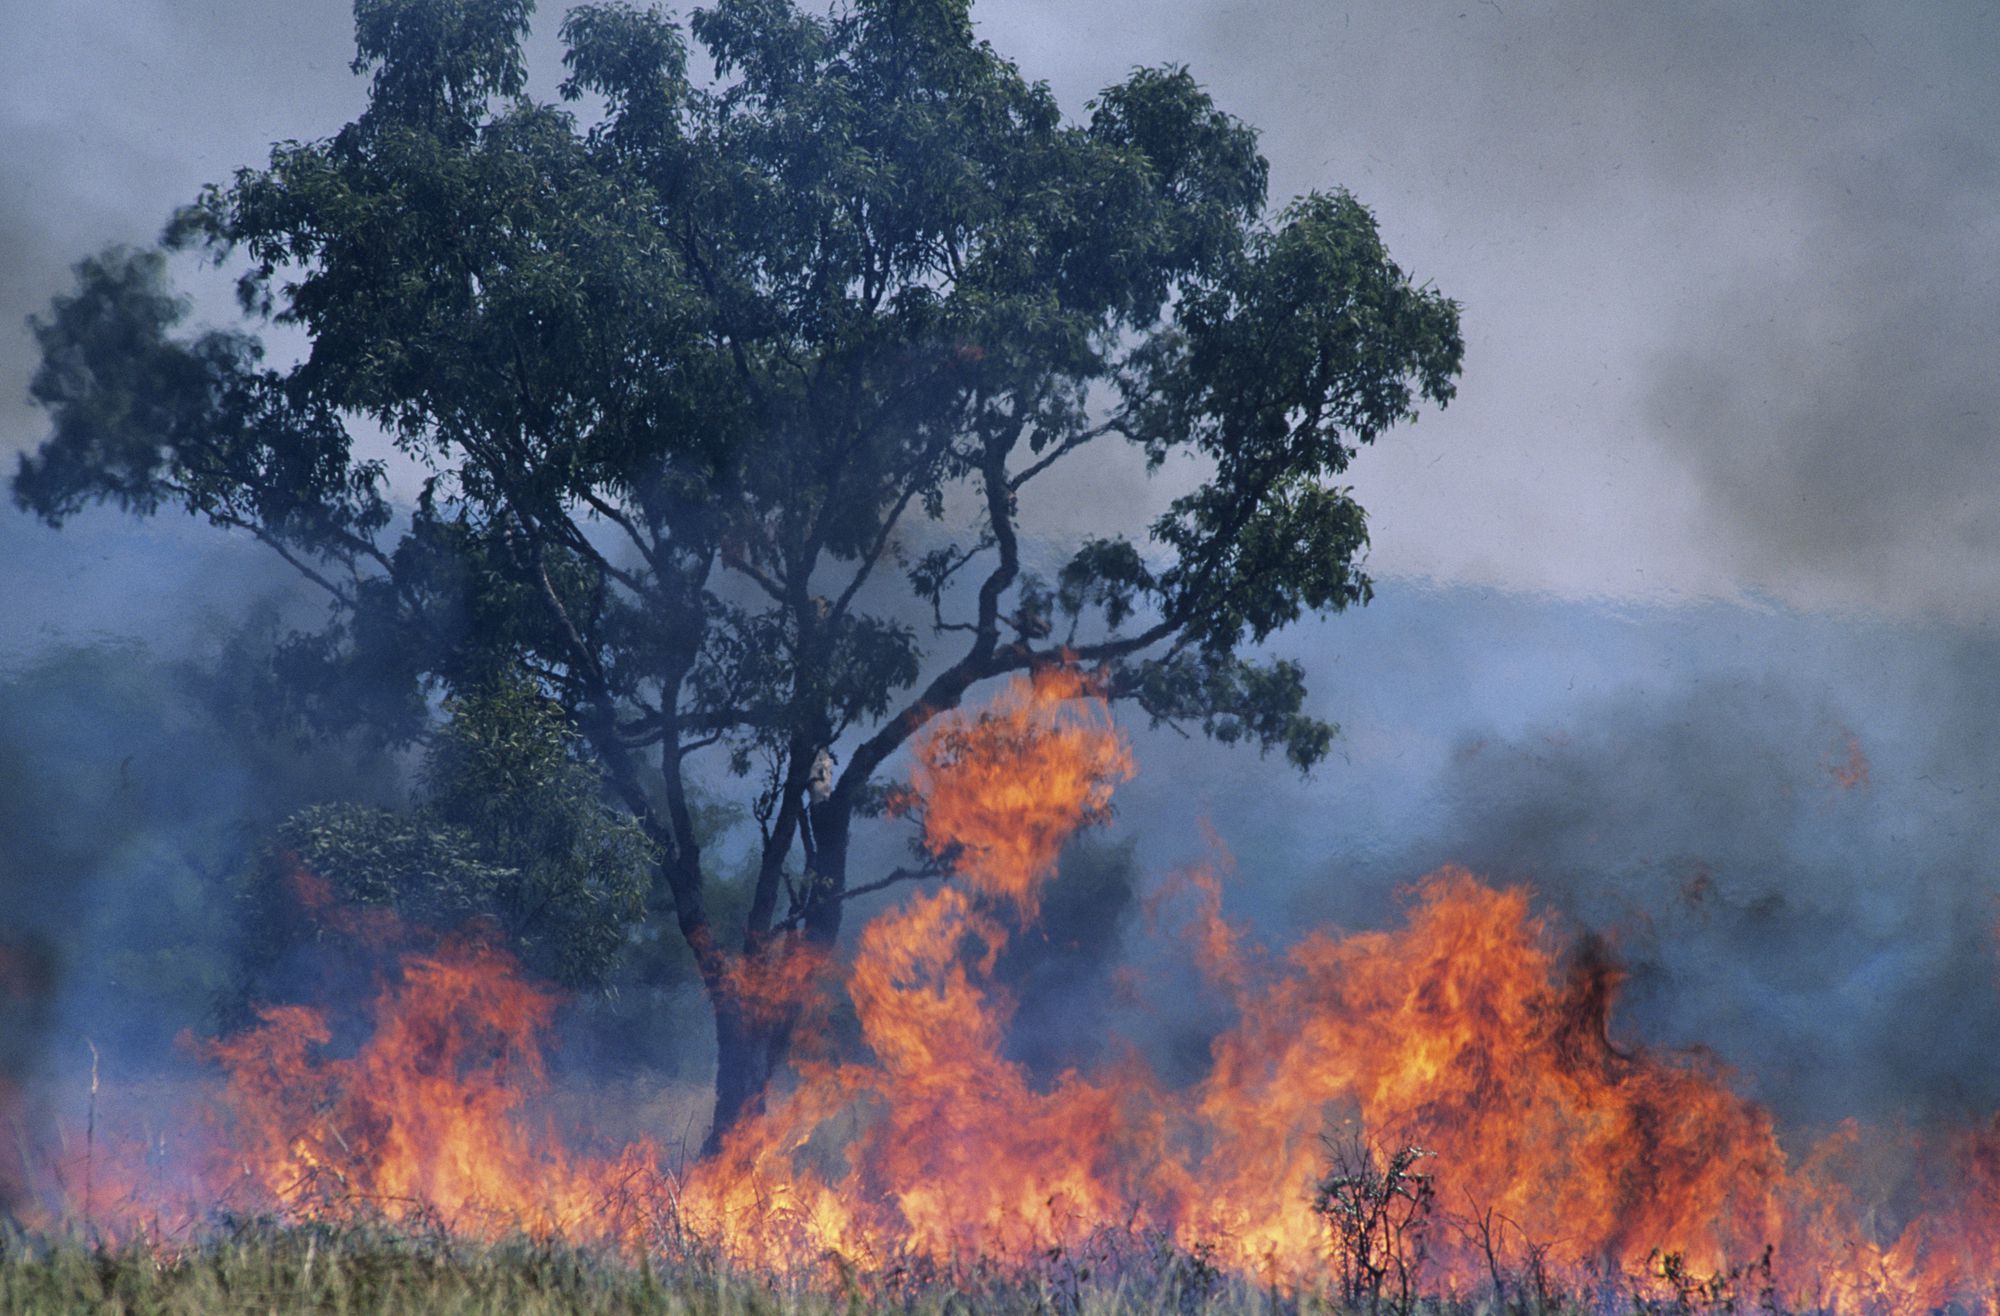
pixel 1477 1031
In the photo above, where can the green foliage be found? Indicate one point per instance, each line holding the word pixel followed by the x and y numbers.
pixel 510 826
pixel 1233 701
pixel 439 63
pixel 146 420
pixel 409 861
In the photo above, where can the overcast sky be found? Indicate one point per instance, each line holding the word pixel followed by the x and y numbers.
pixel 1728 269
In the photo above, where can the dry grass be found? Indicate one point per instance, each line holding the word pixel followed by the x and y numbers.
pixel 377 1271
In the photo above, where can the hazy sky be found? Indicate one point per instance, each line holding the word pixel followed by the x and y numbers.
pixel 1728 269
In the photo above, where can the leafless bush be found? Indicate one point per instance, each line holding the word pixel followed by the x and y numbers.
pixel 1377 1205
pixel 1526 1286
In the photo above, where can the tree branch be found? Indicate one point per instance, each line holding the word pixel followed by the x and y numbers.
pixel 949 687
pixel 277 546
pixel 737 562
pixel 901 875
pixel 874 553
pixel 1063 449
pixel 623 522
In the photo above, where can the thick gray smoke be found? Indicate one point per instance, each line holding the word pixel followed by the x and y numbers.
pixel 128 793
pixel 1784 825
pixel 1838 403
pixel 1728 273
pixel 1829 930
pixel 1727 268
pixel 135 775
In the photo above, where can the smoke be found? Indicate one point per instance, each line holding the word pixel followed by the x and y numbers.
pixel 130 800
pixel 1836 401
pixel 1769 894
pixel 1060 969
pixel 1727 270
pixel 120 113
pixel 1782 823
pixel 1729 276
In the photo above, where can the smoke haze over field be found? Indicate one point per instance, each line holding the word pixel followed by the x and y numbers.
pixel 1717 494
pixel 1795 865
pixel 1728 271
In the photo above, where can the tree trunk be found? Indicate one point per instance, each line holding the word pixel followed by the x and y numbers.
pixel 751 1046
pixel 830 822
pixel 746 1052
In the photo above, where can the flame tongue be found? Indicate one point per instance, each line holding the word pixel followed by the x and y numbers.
pixel 960 1157
pixel 1467 1033
pixel 426 1122
pixel 1001 793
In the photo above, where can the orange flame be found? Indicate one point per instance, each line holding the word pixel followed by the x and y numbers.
pixel 422 1117
pixel 428 1122
pixel 1004 791
pixel 790 978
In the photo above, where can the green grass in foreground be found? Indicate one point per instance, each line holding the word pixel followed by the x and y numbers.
pixel 373 1271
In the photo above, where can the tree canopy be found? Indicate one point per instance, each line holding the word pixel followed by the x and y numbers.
pixel 728 390
pixel 509 826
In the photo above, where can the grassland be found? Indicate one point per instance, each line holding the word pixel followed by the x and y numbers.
pixel 372 1271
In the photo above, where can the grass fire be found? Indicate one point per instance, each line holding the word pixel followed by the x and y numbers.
pixel 718 659
pixel 1434 1112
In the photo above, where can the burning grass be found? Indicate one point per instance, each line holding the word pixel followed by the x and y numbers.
pixel 1495 1147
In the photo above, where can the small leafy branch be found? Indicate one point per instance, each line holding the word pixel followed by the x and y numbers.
pixel 1377 1205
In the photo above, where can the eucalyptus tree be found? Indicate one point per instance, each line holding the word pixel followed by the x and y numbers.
pixel 728 391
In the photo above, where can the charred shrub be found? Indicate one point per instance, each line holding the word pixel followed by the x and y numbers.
pixel 1377 1204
